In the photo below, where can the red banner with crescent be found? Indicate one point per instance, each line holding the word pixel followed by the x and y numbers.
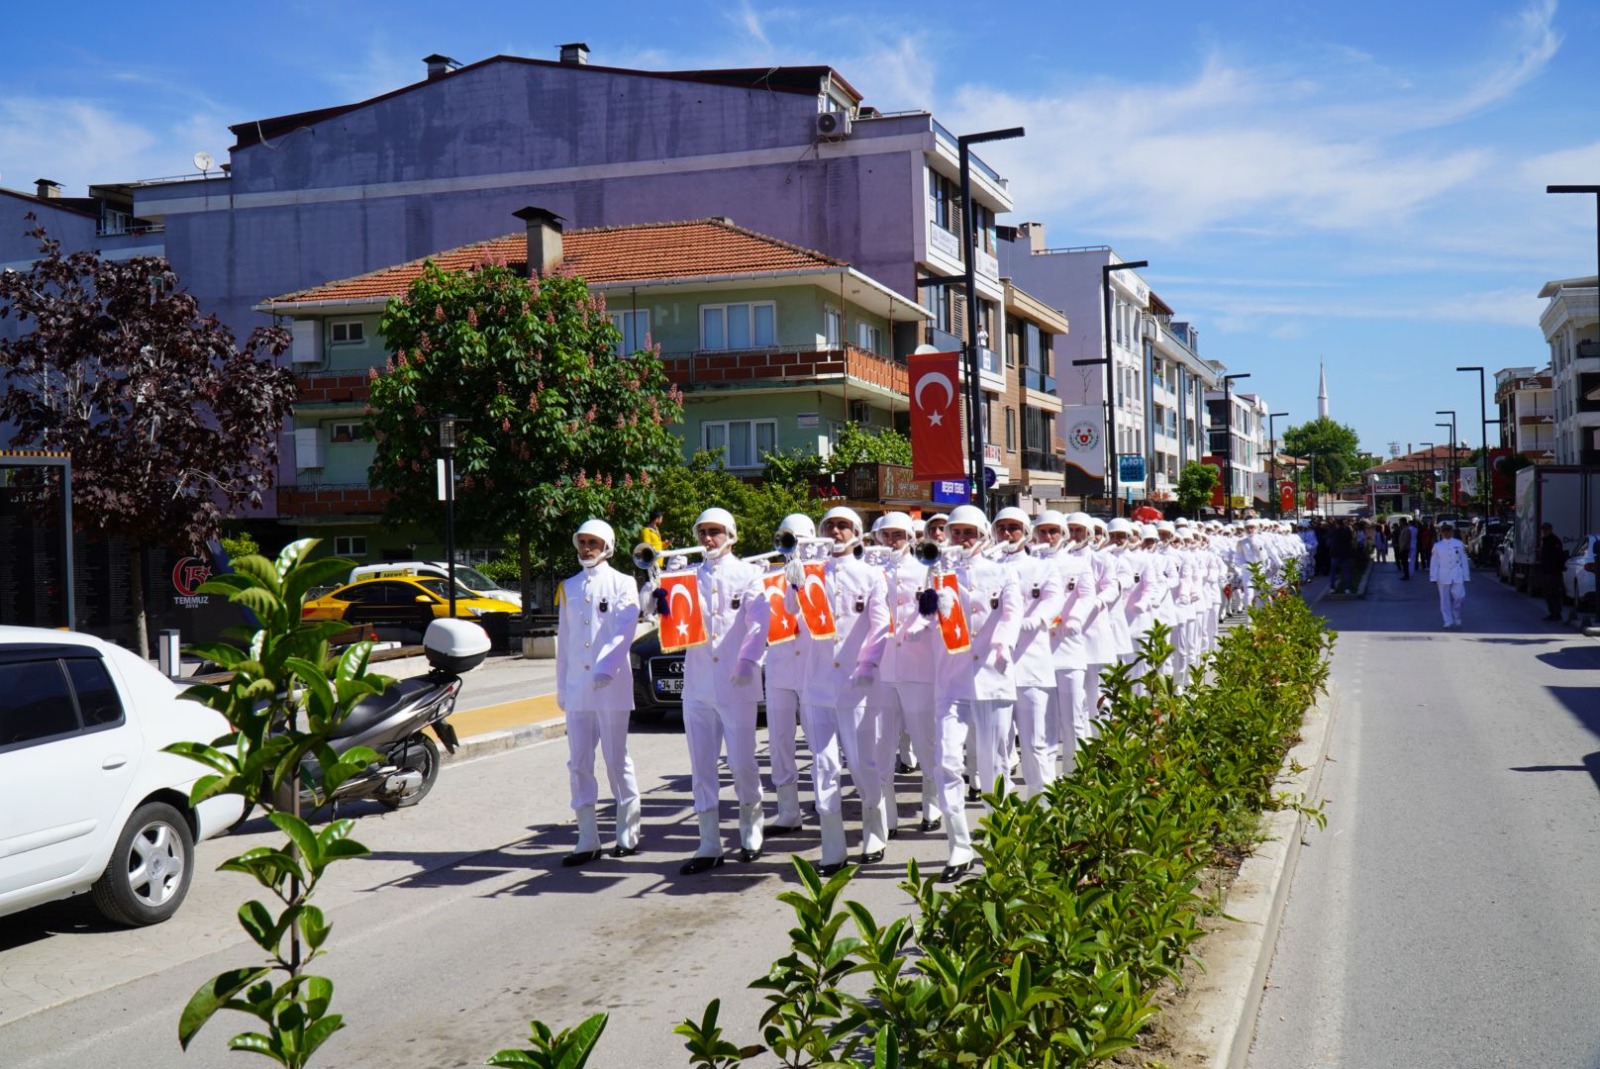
pixel 814 606
pixel 684 625
pixel 936 440
pixel 953 625
pixel 784 625
pixel 1286 497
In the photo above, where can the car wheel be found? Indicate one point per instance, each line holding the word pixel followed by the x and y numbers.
pixel 148 875
pixel 423 759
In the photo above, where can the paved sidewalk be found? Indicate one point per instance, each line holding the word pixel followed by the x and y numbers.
pixel 506 702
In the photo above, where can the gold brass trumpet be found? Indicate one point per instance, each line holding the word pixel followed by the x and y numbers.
pixel 647 558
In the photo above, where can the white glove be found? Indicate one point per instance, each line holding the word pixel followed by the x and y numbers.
pixel 1002 660
pixel 601 680
pixel 947 601
pixel 1031 625
pixel 864 677
pixel 795 573
pixel 743 674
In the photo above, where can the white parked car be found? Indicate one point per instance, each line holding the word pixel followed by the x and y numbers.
pixel 1578 577
pixel 471 578
pixel 88 802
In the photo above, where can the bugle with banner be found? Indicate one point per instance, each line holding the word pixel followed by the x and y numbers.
pixel 681 625
pixel 815 608
pixel 953 624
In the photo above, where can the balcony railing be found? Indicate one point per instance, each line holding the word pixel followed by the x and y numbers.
pixel 782 365
pixel 1034 379
pixel 1039 460
pixel 989 360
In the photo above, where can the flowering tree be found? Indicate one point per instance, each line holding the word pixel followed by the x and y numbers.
pixel 170 425
pixel 554 424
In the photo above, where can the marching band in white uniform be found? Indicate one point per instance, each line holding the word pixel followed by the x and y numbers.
pixel 984 645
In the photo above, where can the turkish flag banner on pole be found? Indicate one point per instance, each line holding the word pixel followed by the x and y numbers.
pixel 1286 497
pixel 953 625
pixel 684 625
pixel 814 606
pixel 937 446
pixel 783 626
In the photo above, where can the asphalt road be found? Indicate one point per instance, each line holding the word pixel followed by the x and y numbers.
pixel 1448 915
pixel 460 928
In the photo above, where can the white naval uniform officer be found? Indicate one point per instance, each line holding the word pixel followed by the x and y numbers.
pixel 902 699
pixel 1068 645
pixel 839 672
pixel 785 674
pixel 1044 594
pixel 722 687
pixel 1452 571
pixel 975 686
pixel 594 687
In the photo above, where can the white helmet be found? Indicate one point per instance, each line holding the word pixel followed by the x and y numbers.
pixel 1164 527
pixel 850 516
pixel 1148 533
pixel 1121 526
pixel 1078 519
pixel 799 525
pixel 918 528
pixel 896 521
pixel 970 516
pixel 1015 515
pixel 596 529
pixel 722 518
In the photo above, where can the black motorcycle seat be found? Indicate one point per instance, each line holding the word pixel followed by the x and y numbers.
pixel 372 711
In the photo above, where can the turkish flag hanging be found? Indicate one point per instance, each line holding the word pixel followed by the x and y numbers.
pixel 783 626
pixel 936 441
pixel 814 606
pixel 684 625
pixel 953 625
pixel 1286 497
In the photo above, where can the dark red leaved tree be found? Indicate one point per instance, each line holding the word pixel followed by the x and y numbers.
pixel 171 426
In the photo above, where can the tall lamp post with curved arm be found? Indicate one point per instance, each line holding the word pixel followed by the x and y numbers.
pixel 1272 444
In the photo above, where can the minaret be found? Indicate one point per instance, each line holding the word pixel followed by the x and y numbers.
pixel 1322 390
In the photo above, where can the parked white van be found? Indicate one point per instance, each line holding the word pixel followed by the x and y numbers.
pixel 470 578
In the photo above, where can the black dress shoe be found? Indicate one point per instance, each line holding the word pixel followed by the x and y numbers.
pixel 933 824
pixel 872 858
pixel 903 769
pixel 748 855
pixel 696 865
pixel 781 829
pixel 974 795
pixel 581 858
pixel 894 833
pixel 624 851
pixel 952 873
pixel 831 870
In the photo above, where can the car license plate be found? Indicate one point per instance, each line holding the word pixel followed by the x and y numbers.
pixel 670 685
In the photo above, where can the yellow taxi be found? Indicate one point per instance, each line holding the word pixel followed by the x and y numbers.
pixel 411 602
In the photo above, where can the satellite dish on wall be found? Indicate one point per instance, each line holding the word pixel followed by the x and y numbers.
pixel 203 162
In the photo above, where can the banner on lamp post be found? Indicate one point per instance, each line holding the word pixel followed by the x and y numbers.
pixel 937 448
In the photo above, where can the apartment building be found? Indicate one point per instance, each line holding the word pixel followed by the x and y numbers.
pixel 1525 400
pixel 1030 442
pixel 1571 325
pixel 1243 436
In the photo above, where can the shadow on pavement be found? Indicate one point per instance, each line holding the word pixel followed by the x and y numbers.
pixel 1584 705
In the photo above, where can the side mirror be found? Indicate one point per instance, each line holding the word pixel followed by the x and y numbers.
pixel 423 599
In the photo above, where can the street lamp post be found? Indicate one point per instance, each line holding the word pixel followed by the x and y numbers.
pixel 447 448
pixel 1432 458
pixel 969 280
pixel 1272 443
pixel 1483 430
pixel 1450 468
pixel 1227 439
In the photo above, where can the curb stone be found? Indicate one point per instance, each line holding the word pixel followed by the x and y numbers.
pixel 1215 1024
pixel 493 742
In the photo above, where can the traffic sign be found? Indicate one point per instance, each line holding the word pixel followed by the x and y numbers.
pixel 990 477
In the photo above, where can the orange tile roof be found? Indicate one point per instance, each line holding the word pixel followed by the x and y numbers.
pixel 645 252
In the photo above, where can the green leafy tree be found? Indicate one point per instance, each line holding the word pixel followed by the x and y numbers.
pixel 856 445
pixel 170 424
pixel 555 426
pixel 1195 484
pixel 758 507
pixel 1333 448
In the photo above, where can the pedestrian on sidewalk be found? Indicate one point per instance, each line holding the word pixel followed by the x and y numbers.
pixel 1404 542
pixel 1552 563
pixel 594 687
pixel 1451 569
pixel 1425 539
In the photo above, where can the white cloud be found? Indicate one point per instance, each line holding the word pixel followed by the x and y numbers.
pixel 1231 310
pixel 75 142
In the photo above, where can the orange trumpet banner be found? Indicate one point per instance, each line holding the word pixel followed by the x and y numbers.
pixel 683 626
pixel 784 625
pixel 815 608
pixel 953 625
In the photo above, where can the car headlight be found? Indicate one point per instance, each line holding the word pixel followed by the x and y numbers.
pixel 475 612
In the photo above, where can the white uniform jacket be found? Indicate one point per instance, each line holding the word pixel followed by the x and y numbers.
pixel 1140 605
pixel 908 649
pixel 594 631
pixel 1069 645
pixel 1097 632
pixel 857 593
pixel 1044 595
pixel 1118 564
pixel 993 602
pixel 734 607
pixel 1450 563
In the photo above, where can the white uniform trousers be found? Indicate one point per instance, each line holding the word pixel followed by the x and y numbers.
pixel 850 728
pixel 705 726
pixel 903 710
pixel 783 721
pixel 608 730
pixel 1035 710
pixel 1072 712
pixel 987 728
pixel 949 760
pixel 1451 595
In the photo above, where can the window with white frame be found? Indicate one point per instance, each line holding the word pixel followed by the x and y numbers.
pixel 751 325
pixel 634 326
pixel 350 332
pixel 347 431
pixel 869 337
pixel 743 441
pixel 832 327
pixel 350 545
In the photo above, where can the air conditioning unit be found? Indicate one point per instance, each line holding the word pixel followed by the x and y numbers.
pixel 860 412
pixel 306 347
pixel 308 454
pixel 833 125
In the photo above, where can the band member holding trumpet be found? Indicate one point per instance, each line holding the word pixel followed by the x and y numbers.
pixel 973 682
pixel 722 687
pixel 785 681
pixel 1043 596
pixel 599 614
pixel 840 670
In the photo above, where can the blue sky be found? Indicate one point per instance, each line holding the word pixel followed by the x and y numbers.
pixel 1361 183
